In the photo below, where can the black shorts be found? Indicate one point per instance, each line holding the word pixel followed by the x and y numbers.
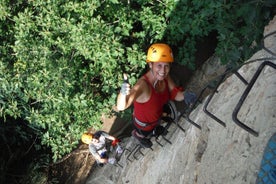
pixel 142 132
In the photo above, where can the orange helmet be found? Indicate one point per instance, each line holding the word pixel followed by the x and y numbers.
pixel 86 138
pixel 159 52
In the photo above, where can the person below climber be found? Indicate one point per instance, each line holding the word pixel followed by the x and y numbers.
pixel 151 92
pixel 97 143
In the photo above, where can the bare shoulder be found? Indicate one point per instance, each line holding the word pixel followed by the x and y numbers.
pixel 141 86
pixel 142 90
pixel 171 83
pixel 142 83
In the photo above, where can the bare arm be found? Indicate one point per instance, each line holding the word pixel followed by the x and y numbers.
pixel 180 95
pixel 101 160
pixel 110 137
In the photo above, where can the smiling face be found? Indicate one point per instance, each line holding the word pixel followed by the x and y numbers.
pixel 160 70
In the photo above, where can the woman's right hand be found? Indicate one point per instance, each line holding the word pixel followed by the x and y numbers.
pixel 125 88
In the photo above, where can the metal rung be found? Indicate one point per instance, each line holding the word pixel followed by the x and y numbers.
pixel 209 100
pixel 245 94
pixel 133 150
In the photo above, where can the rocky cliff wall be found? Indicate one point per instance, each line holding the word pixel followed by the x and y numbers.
pixel 216 153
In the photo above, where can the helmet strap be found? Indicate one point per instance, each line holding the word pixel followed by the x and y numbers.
pixel 155 80
pixel 154 84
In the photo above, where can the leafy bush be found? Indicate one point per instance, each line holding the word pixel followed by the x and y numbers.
pixel 237 23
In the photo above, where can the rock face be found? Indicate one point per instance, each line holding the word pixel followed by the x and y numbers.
pixel 214 154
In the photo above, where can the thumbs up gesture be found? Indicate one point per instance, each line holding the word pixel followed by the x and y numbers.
pixel 125 88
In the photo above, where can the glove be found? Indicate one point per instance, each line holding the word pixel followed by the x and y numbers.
pixel 189 98
pixel 125 86
pixel 115 142
pixel 125 89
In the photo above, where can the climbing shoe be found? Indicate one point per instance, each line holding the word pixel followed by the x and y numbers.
pixel 143 141
pixel 100 164
pixel 112 160
pixel 160 130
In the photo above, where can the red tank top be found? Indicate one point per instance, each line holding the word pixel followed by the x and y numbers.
pixel 151 111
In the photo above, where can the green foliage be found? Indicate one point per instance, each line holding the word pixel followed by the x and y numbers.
pixel 37 172
pixel 238 25
pixel 62 61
